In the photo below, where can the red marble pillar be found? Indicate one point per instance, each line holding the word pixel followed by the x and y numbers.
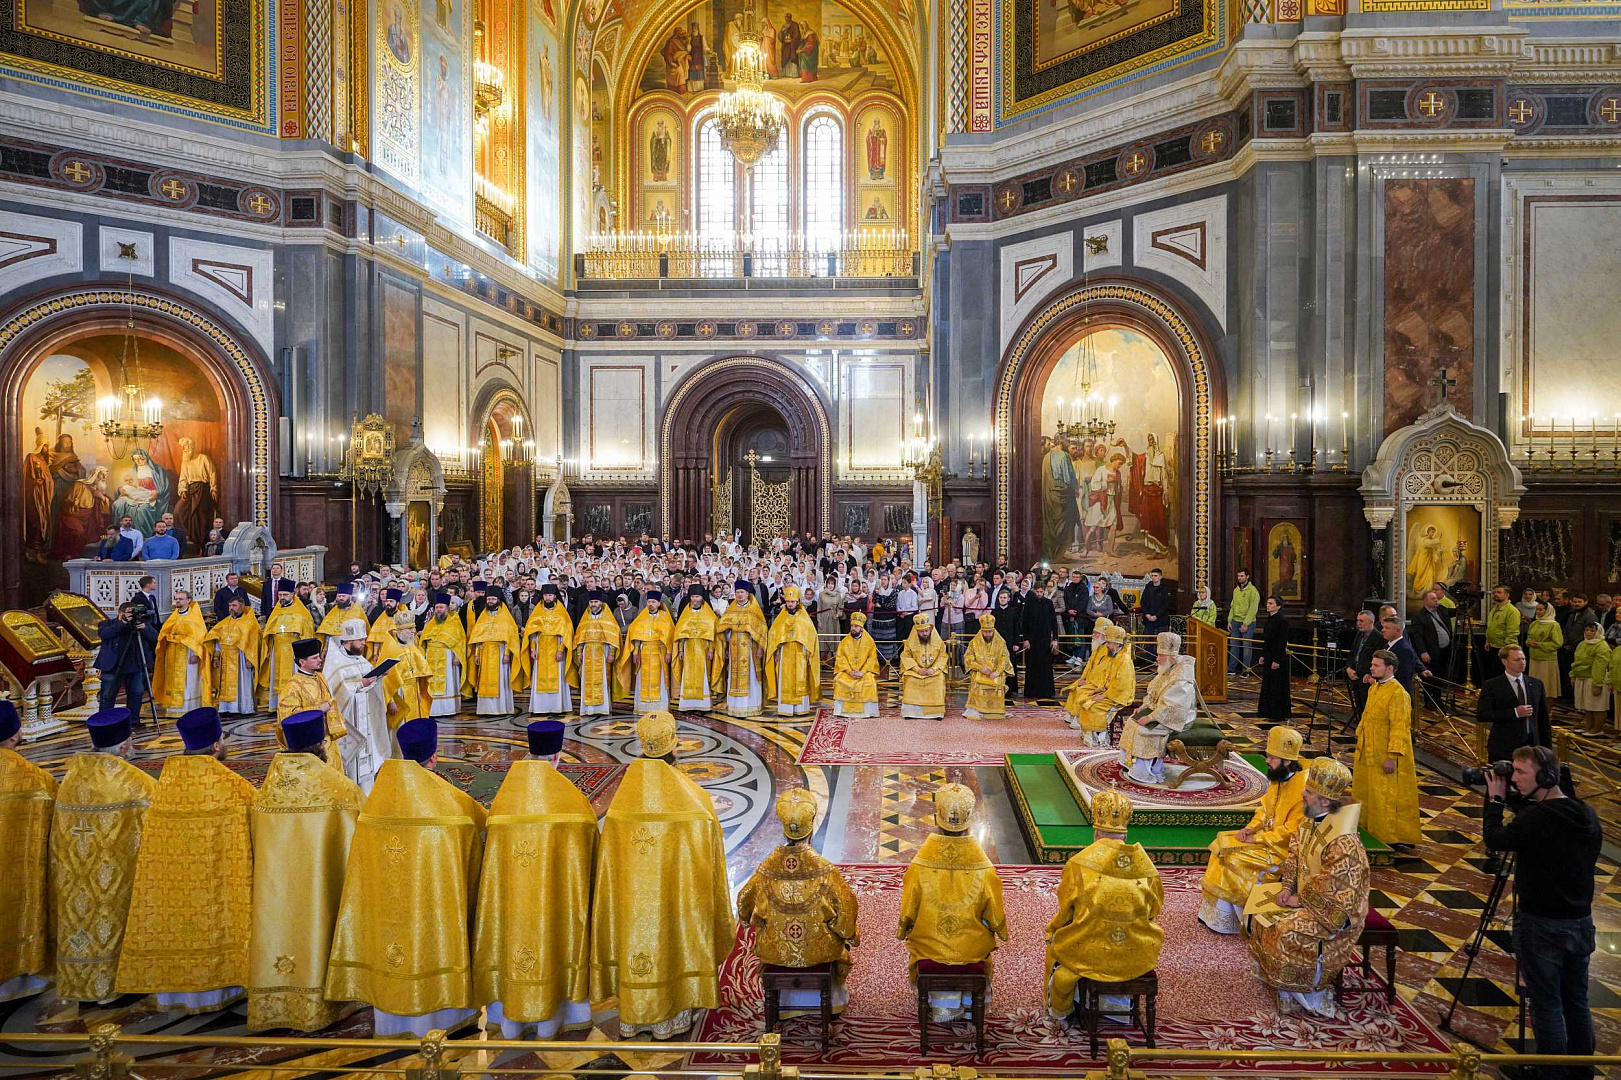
pixel 1429 294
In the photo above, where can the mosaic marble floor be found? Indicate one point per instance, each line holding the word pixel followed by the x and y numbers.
pixel 880 814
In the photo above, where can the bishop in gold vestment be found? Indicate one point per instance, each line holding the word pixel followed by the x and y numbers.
pixel 95 838
pixel 988 665
pixel 591 664
pixel 661 913
pixel 187 936
pixel 303 820
pixel 924 663
pixel 289 621
pixel 693 667
pixel 445 642
pixel 182 667
pixel 406 686
pixel 1108 684
pixel 1108 899
pixel 855 672
pixel 740 652
pixel 1307 932
pixel 1240 860
pixel 951 900
pixel 1385 781
pixel 531 951
pixel 27 796
pixel 548 638
pixel 233 648
pixel 403 941
pixel 642 672
pixel 802 912
pixel 793 677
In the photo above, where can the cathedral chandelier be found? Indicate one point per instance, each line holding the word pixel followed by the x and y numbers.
pixel 130 420
pixel 1084 417
pixel 749 117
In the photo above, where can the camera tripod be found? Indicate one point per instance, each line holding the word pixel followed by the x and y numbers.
pixel 1505 871
pixel 1329 663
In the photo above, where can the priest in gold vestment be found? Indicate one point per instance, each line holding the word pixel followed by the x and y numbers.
pixel 1108 684
pixel 406 685
pixel 548 638
pixel 95 837
pixel 27 797
pixel 661 910
pixel 531 959
pixel 186 939
pixel 1240 860
pixel 793 677
pixel 1304 926
pixel 342 610
pixel 924 664
pixel 988 665
pixel 642 672
pixel 308 690
pixel 802 912
pixel 444 641
pixel 495 671
pixel 1108 900
pixel 741 637
pixel 403 940
pixel 381 631
pixel 692 668
pixel 855 672
pixel 951 900
pixel 289 621
pixel 232 646
pixel 591 664
pixel 182 667
pixel 303 820
pixel 1386 784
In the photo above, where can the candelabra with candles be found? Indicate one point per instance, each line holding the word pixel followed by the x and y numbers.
pixel 979 455
pixel 1602 454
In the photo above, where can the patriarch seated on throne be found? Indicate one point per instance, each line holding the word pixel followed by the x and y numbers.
pixel 1169 709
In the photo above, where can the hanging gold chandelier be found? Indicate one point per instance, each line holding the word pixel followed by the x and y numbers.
pixel 749 117
pixel 130 420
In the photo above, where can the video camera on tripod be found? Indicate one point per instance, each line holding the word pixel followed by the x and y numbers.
pixel 1463 593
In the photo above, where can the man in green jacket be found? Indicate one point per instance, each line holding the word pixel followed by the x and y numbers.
pixel 1241 624
pixel 1502 628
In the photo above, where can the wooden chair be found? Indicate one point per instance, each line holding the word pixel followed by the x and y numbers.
pixel 968 979
pixel 1144 994
pixel 777 979
pixel 1377 932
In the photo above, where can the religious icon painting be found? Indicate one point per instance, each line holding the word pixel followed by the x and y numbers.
pixel 1442 545
pixel 1285 562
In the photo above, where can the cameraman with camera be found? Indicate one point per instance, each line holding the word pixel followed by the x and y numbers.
pixel 1557 839
pixel 128 645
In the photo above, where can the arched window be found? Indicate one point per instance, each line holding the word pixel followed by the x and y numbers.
pixel 768 209
pixel 824 183
pixel 716 186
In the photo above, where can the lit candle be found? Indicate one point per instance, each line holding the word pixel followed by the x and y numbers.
pixel 1531 438
pixel 1268 433
pixel 1345 439
pixel 1112 401
pixel 1615 432
pixel 1294 437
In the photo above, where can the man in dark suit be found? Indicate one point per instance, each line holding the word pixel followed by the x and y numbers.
pixel 232 590
pixel 1431 635
pixel 128 644
pixel 1364 643
pixel 1407 662
pixel 1516 706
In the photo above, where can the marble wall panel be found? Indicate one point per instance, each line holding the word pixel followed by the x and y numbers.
pixel 1429 293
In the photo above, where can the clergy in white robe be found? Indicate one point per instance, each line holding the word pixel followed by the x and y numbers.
pixel 359 697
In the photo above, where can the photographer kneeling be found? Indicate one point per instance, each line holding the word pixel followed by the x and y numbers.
pixel 128 644
pixel 1557 840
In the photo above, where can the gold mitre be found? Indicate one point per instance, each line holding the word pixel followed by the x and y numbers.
pixel 953 807
pixel 796 809
pixel 858 618
pixel 1100 624
pixel 987 622
pixel 1168 644
pixel 657 732
pixel 404 620
pixel 1283 742
pixel 1111 812
pixel 1114 634
pixel 791 593
pixel 1327 778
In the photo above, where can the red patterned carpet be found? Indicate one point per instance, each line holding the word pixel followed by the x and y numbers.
pixel 888 739
pixel 1208 998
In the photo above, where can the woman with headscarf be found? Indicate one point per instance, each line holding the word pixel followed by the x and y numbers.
pixel 1275 704
pixel 1543 639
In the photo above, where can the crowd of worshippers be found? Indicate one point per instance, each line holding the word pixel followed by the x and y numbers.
pixel 308 898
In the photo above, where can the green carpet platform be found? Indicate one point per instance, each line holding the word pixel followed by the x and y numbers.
pixel 1053 817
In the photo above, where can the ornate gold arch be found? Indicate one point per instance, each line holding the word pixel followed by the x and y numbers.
pixel 491 481
pixel 1146 305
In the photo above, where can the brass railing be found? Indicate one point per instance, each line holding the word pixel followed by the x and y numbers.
pixel 101 1054
pixel 858 253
